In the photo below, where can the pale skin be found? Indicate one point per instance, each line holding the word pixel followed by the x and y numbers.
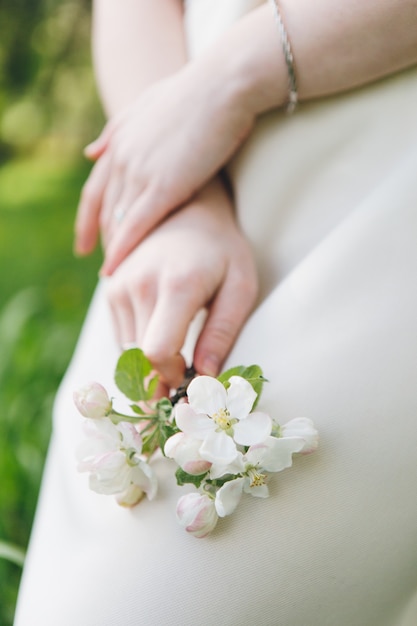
pixel 155 280
pixel 196 258
pixel 145 169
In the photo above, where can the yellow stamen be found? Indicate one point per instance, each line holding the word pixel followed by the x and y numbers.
pixel 222 419
pixel 256 478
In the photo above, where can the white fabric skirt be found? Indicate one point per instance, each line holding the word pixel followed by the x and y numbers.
pixel 328 198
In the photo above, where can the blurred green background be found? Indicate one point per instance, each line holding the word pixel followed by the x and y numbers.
pixel 48 112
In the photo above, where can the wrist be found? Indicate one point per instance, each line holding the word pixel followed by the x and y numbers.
pixel 250 65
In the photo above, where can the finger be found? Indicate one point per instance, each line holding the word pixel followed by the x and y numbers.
pixel 162 391
pixel 143 303
pixel 227 315
pixel 128 196
pixel 110 198
pixel 167 329
pixel 132 292
pixel 139 219
pixel 87 220
pixel 122 314
pixel 96 148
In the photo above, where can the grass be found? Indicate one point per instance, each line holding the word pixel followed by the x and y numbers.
pixel 44 293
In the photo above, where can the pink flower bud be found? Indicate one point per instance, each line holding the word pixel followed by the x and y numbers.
pixel 93 401
pixel 197 514
pixel 185 451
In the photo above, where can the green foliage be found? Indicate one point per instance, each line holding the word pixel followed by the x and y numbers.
pixel 164 408
pixel 48 110
pixel 32 345
pixel 46 85
pixel 137 409
pixel 132 371
pixel 252 373
pixel 132 377
pixel 44 292
pixel 165 431
pixel 188 479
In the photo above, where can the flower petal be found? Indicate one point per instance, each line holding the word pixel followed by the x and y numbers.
pixel 131 437
pixel 173 444
pixel 108 464
pixel 221 469
pixel 254 429
pixel 261 491
pixel 194 424
pixel 302 427
pixel 274 454
pixel 228 496
pixel 111 476
pixel 103 428
pixel 206 395
pixel 89 449
pixel 240 397
pixel 218 448
pixel 131 496
pixel 144 477
pixel 186 452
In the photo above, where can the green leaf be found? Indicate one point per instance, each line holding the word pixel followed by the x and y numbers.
pixel 183 478
pixel 131 371
pixel 152 385
pixel 150 442
pixel 165 431
pixel 136 409
pixel 252 373
pixel 219 482
pixel 164 409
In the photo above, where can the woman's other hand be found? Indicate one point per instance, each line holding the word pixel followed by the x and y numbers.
pixel 196 259
pixel 154 156
pixel 183 128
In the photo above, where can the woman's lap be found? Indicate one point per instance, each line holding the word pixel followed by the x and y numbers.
pixel 335 542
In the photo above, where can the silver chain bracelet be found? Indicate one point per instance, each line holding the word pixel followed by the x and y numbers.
pixel 289 59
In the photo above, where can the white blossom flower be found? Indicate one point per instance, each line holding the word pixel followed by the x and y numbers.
pixel 185 452
pixel 272 455
pixel 196 512
pixel 92 401
pixel 229 495
pixel 111 454
pixel 223 447
pixel 303 428
pixel 221 418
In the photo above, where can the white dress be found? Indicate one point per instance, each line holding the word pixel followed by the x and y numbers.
pixel 328 198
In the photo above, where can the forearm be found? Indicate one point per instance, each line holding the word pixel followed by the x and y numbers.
pixel 337 46
pixel 135 43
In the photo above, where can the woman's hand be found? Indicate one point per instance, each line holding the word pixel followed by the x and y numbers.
pixel 184 128
pixel 154 156
pixel 197 258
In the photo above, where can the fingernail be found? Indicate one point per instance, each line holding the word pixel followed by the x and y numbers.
pixel 211 365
